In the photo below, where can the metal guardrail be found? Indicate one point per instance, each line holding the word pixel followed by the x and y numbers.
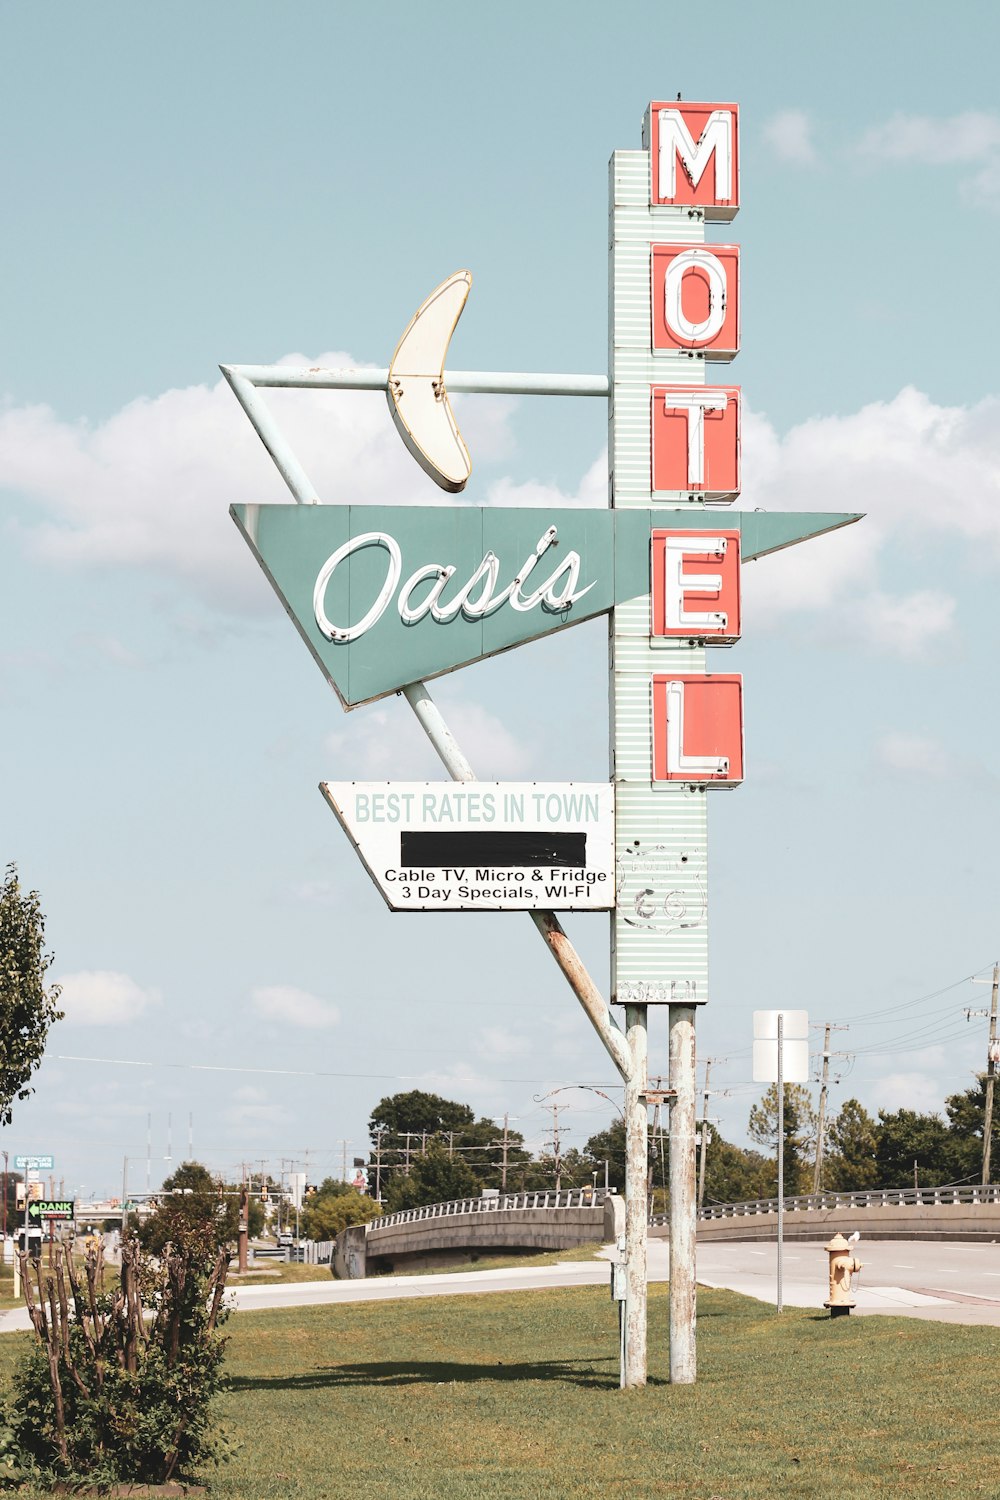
pixel 937 1197
pixel 505 1202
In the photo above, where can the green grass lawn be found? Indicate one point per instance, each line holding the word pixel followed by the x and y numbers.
pixel 515 1396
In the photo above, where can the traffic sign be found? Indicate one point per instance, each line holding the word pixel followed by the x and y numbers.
pixel 34 1163
pixel 51 1208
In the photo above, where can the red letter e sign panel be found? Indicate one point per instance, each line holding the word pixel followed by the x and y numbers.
pixel 696 585
pixel 696 299
pixel 694 156
pixel 698 729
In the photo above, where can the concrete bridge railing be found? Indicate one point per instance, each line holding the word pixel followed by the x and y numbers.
pixel 439 1232
pixel 966 1213
pixel 870 1198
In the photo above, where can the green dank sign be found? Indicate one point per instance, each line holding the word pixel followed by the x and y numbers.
pixel 50 1208
pixel 388 595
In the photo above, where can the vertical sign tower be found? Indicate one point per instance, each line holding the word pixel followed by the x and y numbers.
pixel 387 596
pixel 674 304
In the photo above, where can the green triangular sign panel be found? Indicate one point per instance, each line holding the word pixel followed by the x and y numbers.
pixel 295 543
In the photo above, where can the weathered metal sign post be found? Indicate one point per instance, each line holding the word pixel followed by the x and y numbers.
pixel 387 597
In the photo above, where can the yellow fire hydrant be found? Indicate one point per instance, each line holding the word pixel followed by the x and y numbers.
pixel 842 1267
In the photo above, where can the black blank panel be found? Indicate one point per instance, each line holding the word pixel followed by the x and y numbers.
pixel 433 849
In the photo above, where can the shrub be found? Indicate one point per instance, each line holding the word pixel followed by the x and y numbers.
pixel 108 1393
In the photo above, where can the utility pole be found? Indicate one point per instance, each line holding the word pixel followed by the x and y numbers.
pixel 408 1136
pixel 704 1135
pixel 991 1068
pixel 824 1088
pixel 556 1150
pixel 378 1165
pixel 244 1223
pixel 503 1169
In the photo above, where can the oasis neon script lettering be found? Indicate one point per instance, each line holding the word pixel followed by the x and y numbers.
pixel 422 594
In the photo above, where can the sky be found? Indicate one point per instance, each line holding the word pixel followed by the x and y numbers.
pixel 192 185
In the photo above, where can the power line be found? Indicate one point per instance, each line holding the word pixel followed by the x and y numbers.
pixel 132 1062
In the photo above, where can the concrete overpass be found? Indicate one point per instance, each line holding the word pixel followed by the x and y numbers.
pixel 943 1213
pixel 469 1228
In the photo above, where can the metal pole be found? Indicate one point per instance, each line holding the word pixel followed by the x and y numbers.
pixel 683 1205
pixel 244 1226
pixel 781 1150
pixel 821 1123
pixel 480 382
pixel 636 1201
pixel 991 1069
pixel 547 923
pixel 704 1137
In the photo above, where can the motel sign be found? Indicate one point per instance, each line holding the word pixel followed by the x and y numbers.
pixel 388 597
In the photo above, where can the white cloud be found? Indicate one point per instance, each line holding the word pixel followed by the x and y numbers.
pixel 914 755
pixel 151 486
pixel 971 136
pixel 970 139
pixel 920 472
pixel 500 1042
pixel 255 1120
pixel 909 623
pixel 293 1007
pixel 916 1091
pixel 388 743
pixel 592 489
pixel 102 997
pixel 789 134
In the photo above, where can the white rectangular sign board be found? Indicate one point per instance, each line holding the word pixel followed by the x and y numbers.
pixel 794 1046
pixel 482 845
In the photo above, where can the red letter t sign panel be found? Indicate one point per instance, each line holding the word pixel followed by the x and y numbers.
pixel 698 729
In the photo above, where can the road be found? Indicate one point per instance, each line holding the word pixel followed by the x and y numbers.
pixel 949 1282
pixel 953 1283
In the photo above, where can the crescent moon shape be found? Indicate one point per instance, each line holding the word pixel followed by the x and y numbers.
pixel 416 390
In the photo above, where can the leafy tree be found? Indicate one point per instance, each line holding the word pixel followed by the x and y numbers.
pixel 27 1008
pixel 906 1137
pixel 799 1128
pixel 418 1113
pixel 966 1119
pixel 608 1146
pixel 192 1201
pixel 434 1177
pixel 852 1163
pixel 735 1175
pixel 403 1126
pixel 335 1206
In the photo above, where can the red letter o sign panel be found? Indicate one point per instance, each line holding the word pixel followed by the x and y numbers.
pixel 696 300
